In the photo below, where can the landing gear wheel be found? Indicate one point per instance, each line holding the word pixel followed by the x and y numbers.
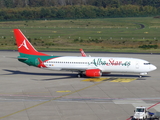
pixel 80 74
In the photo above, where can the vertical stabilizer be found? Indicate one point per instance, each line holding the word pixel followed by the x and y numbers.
pixel 83 53
pixel 24 46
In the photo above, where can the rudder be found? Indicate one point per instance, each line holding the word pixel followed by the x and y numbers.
pixel 24 46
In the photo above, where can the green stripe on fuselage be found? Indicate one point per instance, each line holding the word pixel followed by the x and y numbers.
pixel 32 60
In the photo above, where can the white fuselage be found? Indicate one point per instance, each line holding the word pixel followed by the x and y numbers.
pixel 105 64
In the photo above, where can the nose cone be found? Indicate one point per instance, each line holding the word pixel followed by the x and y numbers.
pixel 153 67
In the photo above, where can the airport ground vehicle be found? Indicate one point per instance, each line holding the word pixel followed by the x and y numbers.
pixel 141 113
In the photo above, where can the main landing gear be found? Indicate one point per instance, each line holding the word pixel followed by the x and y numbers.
pixel 80 74
pixel 141 74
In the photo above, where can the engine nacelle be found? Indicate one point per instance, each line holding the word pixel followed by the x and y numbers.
pixel 93 73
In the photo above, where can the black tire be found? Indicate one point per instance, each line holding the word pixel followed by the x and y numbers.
pixel 79 75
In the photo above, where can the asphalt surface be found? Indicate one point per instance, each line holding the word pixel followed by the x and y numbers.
pixel 30 93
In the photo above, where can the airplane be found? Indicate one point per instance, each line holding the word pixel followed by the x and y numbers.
pixel 88 66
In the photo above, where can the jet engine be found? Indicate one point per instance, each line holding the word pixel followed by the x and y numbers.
pixel 93 73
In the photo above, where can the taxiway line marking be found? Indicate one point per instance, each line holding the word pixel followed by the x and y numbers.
pixel 95 79
pixel 50 100
pixel 64 91
pixel 110 79
pixel 153 105
pixel 123 80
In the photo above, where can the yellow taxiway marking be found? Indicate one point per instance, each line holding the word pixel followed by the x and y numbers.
pixel 123 80
pixel 109 79
pixel 94 79
pixel 51 100
pixel 64 91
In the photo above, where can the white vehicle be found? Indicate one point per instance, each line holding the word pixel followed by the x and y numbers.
pixel 141 113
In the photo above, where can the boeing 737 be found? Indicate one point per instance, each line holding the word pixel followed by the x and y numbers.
pixel 88 66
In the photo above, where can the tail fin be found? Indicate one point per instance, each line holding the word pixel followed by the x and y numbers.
pixel 83 53
pixel 24 46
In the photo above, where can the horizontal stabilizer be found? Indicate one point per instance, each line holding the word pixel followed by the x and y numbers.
pixel 22 58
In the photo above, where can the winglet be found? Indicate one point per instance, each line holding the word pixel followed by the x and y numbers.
pixel 83 53
pixel 24 46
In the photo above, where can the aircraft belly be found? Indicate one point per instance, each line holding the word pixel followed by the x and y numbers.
pixel 71 68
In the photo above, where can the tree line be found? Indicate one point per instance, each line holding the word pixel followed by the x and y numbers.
pixel 97 3
pixel 74 9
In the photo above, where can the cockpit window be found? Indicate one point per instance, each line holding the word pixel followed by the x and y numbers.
pixel 147 63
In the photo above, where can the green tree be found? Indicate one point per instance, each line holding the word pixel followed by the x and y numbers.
pixel 2 4
pixel 45 13
pixel 8 3
pixel 79 12
pixel 61 13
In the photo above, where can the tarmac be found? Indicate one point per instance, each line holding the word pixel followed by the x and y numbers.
pixel 30 93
